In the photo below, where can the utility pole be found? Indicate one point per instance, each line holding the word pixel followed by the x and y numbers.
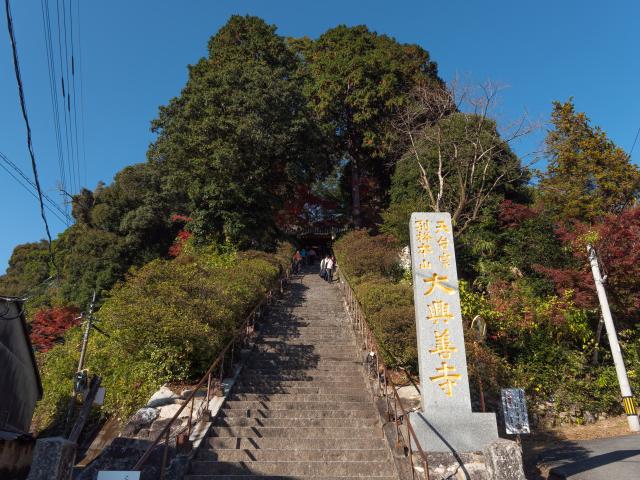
pixel 627 397
pixel 87 329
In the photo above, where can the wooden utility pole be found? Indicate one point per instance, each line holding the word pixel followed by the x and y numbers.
pixel 627 397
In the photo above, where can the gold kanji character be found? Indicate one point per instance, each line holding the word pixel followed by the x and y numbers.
pixel 444 348
pixel 423 236
pixel 436 281
pixel 446 378
pixel 443 241
pixel 439 310
pixel 425 264
pixel 425 248
pixel 422 225
pixel 445 259
pixel 441 226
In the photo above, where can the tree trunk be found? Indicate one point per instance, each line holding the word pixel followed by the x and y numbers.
pixel 355 193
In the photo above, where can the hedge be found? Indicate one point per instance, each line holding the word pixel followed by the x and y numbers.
pixel 166 323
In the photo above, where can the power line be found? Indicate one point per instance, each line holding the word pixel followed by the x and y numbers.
pixel 74 97
pixel 31 192
pixel 68 98
pixel 82 122
pixel 70 168
pixel 4 158
pixel 634 142
pixel 23 107
pixel 46 25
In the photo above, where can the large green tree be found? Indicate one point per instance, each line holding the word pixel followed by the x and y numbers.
pixel 238 135
pixel 588 176
pixel 356 80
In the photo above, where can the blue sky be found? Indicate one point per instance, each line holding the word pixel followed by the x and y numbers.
pixel 134 58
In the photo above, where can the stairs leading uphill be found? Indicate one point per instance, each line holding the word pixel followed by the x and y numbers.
pixel 300 409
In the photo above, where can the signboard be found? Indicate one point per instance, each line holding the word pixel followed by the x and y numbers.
pixel 99 399
pixel 118 475
pixel 514 407
pixel 441 354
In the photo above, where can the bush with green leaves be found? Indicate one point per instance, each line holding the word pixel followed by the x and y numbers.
pixel 167 322
pixel 370 264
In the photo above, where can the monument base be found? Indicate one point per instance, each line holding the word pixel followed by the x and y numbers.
pixel 456 432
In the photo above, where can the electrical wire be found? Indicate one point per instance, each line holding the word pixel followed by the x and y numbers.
pixel 32 193
pixel 53 91
pixel 82 122
pixel 62 58
pixel 74 97
pixel 25 116
pixel 53 204
pixel 634 142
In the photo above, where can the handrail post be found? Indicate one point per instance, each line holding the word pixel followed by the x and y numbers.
pixel 165 455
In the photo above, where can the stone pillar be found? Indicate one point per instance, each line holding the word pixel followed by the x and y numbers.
pixel 446 422
pixel 53 459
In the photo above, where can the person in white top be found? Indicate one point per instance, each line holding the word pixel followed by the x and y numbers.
pixel 323 267
pixel 329 267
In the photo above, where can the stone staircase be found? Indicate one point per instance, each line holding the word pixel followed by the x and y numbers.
pixel 301 408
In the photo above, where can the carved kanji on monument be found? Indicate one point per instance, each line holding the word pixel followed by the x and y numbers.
pixel 446 421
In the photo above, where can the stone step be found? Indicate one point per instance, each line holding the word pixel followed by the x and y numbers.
pixel 278 389
pixel 269 369
pixel 301 339
pixel 295 406
pixel 285 444
pixel 303 350
pixel 310 359
pixel 282 364
pixel 235 455
pixel 254 381
pixel 309 468
pixel 364 412
pixel 294 422
pixel 327 378
pixel 297 432
pixel 302 397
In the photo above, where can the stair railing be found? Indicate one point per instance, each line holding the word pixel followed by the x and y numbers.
pixel 214 373
pixel 395 411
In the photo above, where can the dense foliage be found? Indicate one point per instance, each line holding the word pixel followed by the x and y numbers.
pixel 166 323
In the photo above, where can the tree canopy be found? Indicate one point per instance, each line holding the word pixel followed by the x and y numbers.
pixel 588 176
pixel 239 133
pixel 356 80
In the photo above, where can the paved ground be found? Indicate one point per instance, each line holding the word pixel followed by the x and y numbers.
pixel 614 458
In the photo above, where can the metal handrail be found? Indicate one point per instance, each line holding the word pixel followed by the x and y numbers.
pixel 245 330
pixel 360 326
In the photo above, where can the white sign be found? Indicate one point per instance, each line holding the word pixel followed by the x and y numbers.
pixel 118 475
pixel 514 407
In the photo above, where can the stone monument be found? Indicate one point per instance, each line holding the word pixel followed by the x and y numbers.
pixel 445 422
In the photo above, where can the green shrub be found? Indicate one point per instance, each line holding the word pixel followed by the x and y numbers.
pixel 359 253
pixel 394 327
pixel 378 293
pixel 167 322
pixel 370 264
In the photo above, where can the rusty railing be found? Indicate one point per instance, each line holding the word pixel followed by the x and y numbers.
pixel 395 411
pixel 215 373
